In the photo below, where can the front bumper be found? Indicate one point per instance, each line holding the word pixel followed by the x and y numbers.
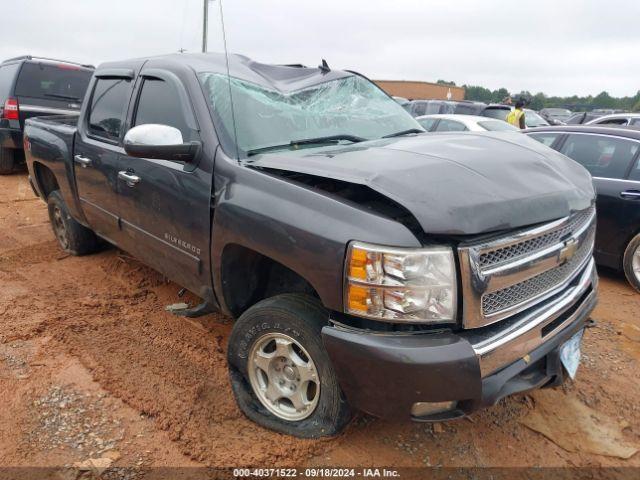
pixel 387 374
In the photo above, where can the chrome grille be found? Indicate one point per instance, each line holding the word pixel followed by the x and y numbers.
pixel 504 276
pixel 521 249
pixel 538 285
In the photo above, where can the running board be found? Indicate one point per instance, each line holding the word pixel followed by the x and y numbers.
pixel 183 310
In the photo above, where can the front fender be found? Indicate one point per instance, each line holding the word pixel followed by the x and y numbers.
pixel 304 229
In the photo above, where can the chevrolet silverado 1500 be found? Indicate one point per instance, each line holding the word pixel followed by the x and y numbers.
pixel 370 266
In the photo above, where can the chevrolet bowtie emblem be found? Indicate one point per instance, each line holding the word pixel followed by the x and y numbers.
pixel 568 251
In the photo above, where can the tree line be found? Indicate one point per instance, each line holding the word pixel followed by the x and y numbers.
pixel 539 100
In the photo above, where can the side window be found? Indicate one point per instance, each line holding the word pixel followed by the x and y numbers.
pixel 419 108
pixel 450 126
pixel 7 74
pixel 427 123
pixel 108 107
pixel 635 121
pixel 159 103
pixel 432 108
pixel 545 138
pixel 614 121
pixel 463 109
pixel 635 172
pixel 606 157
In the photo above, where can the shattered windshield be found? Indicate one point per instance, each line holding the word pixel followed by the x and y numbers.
pixel 263 118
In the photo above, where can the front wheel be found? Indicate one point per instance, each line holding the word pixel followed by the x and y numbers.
pixel 280 373
pixel 631 262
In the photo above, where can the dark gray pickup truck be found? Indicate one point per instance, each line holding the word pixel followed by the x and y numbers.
pixel 370 266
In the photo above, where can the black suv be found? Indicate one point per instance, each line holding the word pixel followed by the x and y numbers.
pixel 33 86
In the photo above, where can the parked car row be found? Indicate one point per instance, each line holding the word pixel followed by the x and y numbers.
pixel 556 116
pixel 418 108
pixel 463 123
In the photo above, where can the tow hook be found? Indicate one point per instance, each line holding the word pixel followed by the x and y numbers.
pixel 590 323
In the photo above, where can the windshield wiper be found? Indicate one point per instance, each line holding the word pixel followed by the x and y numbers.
pixel 329 139
pixel 66 97
pixel 404 132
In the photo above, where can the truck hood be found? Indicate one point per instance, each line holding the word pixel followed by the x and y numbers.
pixel 466 183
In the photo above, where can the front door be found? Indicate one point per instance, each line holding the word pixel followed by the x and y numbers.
pixel 165 205
pixel 97 155
pixel 609 159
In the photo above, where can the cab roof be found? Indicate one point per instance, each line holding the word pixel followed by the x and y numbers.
pixel 279 77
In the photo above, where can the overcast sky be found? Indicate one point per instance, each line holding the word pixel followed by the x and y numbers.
pixel 558 47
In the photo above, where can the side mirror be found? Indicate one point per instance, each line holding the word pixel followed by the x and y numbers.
pixel 160 142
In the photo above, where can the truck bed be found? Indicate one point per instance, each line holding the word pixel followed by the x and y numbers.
pixel 50 141
pixel 62 122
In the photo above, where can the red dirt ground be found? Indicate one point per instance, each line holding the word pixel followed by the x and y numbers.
pixel 92 366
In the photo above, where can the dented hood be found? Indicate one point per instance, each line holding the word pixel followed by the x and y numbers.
pixel 454 183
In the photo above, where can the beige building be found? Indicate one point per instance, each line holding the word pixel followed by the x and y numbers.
pixel 420 90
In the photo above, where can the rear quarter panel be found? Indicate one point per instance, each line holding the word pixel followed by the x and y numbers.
pixel 51 146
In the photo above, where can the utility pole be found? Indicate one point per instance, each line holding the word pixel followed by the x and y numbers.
pixel 205 25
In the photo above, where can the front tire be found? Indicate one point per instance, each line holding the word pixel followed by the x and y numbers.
pixel 280 373
pixel 7 160
pixel 72 237
pixel 631 262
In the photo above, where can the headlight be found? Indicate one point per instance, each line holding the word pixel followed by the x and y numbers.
pixel 401 284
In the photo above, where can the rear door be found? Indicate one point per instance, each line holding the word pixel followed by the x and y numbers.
pixel 609 159
pixel 166 212
pixel 97 152
pixel 45 88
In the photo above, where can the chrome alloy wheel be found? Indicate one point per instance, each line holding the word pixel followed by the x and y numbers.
pixel 635 263
pixel 284 377
pixel 59 227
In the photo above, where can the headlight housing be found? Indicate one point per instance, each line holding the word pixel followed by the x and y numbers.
pixel 404 285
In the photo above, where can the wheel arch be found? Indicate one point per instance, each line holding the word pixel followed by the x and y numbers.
pixel 45 180
pixel 250 276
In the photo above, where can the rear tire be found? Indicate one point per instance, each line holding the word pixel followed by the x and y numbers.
pixel 7 160
pixel 631 262
pixel 72 237
pixel 309 408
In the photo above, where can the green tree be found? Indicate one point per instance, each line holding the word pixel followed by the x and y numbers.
pixel 497 96
pixel 604 100
pixel 538 101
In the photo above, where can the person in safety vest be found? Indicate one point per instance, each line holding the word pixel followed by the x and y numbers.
pixel 516 116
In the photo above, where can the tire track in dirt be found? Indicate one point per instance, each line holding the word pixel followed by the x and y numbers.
pixel 109 313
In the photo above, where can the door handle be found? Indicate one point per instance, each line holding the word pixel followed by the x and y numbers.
pixel 631 194
pixel 129 178
pixel 84 161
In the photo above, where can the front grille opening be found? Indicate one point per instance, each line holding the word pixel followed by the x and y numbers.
pixel 510 253
pixel 550 327
pixel 496 302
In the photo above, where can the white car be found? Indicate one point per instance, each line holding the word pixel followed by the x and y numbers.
pixel 617 119
pixel 463 123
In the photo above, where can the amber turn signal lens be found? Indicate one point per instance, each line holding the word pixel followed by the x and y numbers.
pixel 358 264
pixel 358 298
